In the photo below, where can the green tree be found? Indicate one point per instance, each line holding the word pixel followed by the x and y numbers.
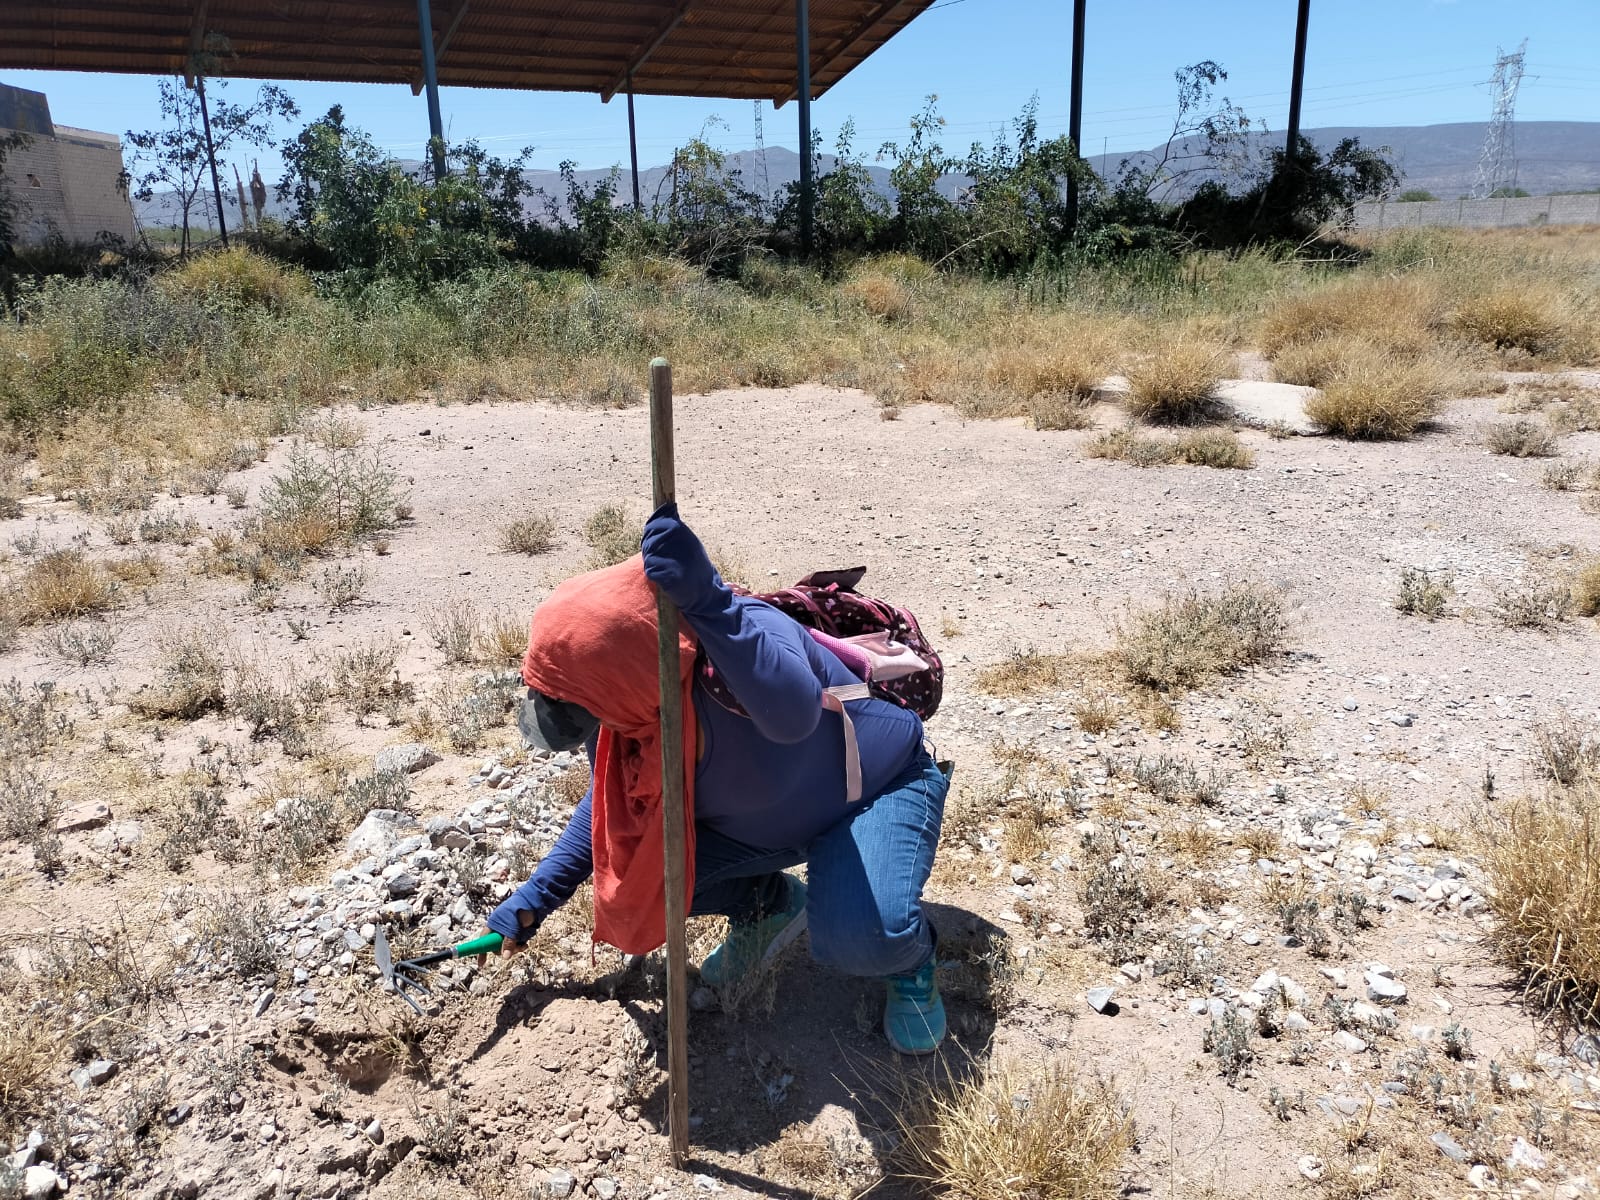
pixel 1414 195
pixel 922 221
pixel 173 158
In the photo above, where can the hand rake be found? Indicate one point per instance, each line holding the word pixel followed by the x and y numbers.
pixel 409 973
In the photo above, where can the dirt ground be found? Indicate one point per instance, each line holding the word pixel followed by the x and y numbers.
pixel 1382 727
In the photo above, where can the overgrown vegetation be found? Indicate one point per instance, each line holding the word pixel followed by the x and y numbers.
pixel 1193 637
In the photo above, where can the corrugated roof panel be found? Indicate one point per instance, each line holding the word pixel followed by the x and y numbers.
pixel 733 49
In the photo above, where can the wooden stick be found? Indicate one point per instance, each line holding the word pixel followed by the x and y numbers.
pixel 672 767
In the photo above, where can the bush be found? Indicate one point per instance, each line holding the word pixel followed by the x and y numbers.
pixel 613 536
pixel 1586 589
pixel 532 534
pixel 330 493
pixel 1195 637
pixel 1199 448
pixel 1058 411
pixel 61 585
pixel 1380 397
pixel 1386 313
pixel 1511 319
pixel 880 294
pixel 1024 673
pixel 1543 864
pixel 1423 592
pixel 239 278
pixel 1521 438
pixel 189 679
pixel 1177 385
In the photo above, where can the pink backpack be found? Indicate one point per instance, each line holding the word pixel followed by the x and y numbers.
pixel 880 643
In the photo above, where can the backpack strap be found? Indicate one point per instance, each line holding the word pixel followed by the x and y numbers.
pixel 833 699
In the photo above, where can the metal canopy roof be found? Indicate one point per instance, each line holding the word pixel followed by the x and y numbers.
pixel 732 49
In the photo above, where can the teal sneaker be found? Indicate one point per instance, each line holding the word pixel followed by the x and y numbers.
pixel 752 945
pixel 913 1015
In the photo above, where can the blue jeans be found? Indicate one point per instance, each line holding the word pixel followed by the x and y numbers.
pixel 864 905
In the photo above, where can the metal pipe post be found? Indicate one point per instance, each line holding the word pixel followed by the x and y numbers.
pixel 1075 113
pixel 802 22
pixel 1297 82
pixel 430 84
pixel 664 488
pixel 633 147
pixel 211 158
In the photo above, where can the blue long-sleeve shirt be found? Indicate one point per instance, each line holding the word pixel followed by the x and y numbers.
pixel 774 779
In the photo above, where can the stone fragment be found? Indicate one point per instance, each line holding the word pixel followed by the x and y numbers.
pixel 559 1184
pixel 263 1002
pixel 1102 1000
pixel 702 999
pixel 1384 988
pixel 1524 1156
pixel 1263 404
pixel 406 759
pixel 374 1132
pixel 1312 1167
pixel 1449 1147
pixel 379 830
pixel 604 1188
pixel 40 1183
pixel 81 818
pixel 1349 1041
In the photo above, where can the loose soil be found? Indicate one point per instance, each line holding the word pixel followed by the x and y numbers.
pixel 1002 539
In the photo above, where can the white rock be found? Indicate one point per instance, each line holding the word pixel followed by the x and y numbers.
pixel 39 1183
pixel 1482 1178
pixel 403 760
pixel 82 817
pixel 1384 987
pixel 1312 1167
pixel 1524 1156
pixel 1349 1041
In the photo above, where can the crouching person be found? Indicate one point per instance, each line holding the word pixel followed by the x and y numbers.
pixel 770 787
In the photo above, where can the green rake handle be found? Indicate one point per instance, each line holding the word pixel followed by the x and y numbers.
pixel 489 943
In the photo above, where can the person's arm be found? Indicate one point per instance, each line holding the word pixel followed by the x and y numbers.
pixel 560 873
pixel 759 652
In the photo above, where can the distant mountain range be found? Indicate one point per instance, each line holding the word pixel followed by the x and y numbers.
pixel 1550 156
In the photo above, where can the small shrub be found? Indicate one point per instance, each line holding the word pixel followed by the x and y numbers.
pixel 1534 606
pixel 1120 897
pixel 1393 313
pixel 189 679
pixel 167 527
pixel 83 646
pixel 1543 865
pixel 1177 385
pixel 330 493
pixel 880 294
pixel 1521 438
pixel 528 535
pixel 1423 592
pixel 1058 410
pixel 1069 365
pixel 1095 715
pixel 1127 444
pixel 1195 637
pixel 1177 781
pixel 1215 448
pixel 59 585
pixel 612 536
pixel 452 628
pixel 1567 751
pixel 1511 319
pixel 237 278
pixel 1586 589
pixel 1562 476
pixel 341 585
pixel 997 1134
pixel 366 678
pixel 502 641
pixel 1376 398
pixel 1228 1040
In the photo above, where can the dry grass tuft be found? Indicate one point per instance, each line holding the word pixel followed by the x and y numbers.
pixel 880 293
pixel 32 1044
pixel 1397 314
pixel 1373 396
pixel 1423 592
pixel 1219 448
pixel 1095 715
pixel 237 277
pixel 612 535
pixel 60 585
pixel 1004 1133
pixel 1543 862
pixel 1540 606
pixel 1521 438
pixel 1195 637
pixel 1052 361
pixel 1177 385
pixel 189 681
pixel 1025 673
pixel 1059 410
pixel 1521 319
pixel 1586 589
pixel 1566 750
pixel 531 534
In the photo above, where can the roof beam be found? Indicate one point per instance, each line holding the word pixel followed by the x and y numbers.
pixel 443 44
pixel 663 32
pixel 845 45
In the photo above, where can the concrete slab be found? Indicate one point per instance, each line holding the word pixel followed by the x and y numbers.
pixel 1261 404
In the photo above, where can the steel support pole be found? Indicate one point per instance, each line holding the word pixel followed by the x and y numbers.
pixel 633 147
pixel 430 84
pixel 802 23
pixel 1075 112
pixel 1297 82
pixel 211 157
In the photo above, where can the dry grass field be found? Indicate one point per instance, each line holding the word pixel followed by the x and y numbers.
pixel 1298 756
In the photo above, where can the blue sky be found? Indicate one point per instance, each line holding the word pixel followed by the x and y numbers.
pixel 1370 62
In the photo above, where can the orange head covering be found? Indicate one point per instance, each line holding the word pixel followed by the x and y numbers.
pixel 594 642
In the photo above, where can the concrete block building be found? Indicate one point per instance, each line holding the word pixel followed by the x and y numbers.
pixel 64 181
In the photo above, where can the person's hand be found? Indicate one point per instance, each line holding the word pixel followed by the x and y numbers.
pixel 510 947
pixel 674 559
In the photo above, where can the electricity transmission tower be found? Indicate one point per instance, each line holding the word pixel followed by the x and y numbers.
pixel 1497 163
pixel 762 182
